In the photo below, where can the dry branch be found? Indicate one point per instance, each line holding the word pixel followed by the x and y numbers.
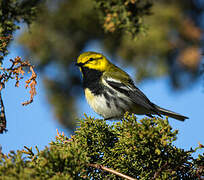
pixel 16 71
pixel 111 171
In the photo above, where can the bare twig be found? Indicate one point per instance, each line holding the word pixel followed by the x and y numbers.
pixel 32 83
pixel 16 71
pixel 111 171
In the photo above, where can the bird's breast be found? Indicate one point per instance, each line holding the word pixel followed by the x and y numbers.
pixel 92 80
pixel 107 104
pixel 89 95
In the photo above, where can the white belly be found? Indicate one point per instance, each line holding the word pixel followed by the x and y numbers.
pixel 107 109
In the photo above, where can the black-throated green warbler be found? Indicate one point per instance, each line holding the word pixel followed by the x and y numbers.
pixel 111 92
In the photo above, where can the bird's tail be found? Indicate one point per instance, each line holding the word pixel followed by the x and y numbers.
pixel 171 114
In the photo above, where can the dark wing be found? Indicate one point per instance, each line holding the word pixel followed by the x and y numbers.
pixel 130 90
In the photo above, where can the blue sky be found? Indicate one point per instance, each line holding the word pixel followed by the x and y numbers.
pixel 35 124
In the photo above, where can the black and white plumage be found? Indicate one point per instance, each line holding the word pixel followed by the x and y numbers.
pixel 111 92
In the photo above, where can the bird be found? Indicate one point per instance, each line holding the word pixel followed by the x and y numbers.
pixel 111 92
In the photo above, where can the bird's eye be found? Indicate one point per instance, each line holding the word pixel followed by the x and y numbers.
pixel 91 59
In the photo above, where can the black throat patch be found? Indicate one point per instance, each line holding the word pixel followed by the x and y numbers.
pixel 91 80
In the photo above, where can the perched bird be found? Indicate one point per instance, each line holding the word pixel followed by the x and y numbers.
pixel 111 92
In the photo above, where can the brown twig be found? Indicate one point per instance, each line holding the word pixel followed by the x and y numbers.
pixel 14 72
pixel 32 83
pixel 111 171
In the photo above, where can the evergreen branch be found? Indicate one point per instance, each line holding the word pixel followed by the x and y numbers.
pixel 156 175
pixel 29 151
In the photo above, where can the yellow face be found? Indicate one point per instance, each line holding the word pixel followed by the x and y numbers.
pixel 92 60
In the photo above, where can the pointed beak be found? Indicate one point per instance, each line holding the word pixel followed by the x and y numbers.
pixel 79 64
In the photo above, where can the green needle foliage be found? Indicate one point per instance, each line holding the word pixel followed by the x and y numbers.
pixel 124 15
pixel 12 12
pixel 141 149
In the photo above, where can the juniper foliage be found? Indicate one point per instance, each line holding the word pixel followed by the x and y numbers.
pixel 141 149
pixel 12 12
